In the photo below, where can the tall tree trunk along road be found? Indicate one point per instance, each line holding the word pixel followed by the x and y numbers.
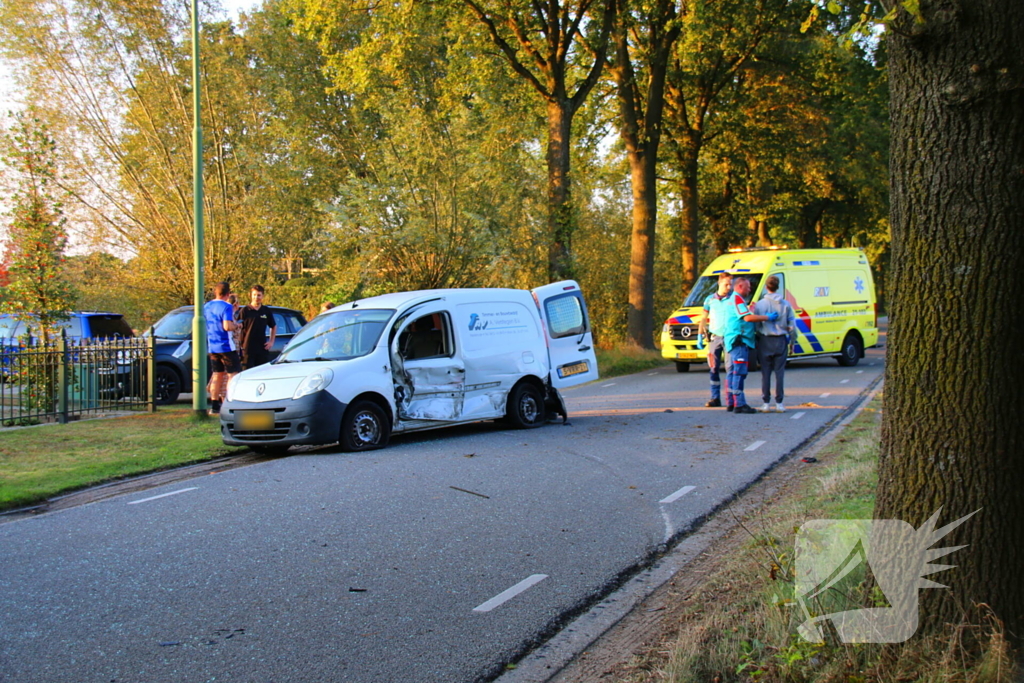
pixel 955 380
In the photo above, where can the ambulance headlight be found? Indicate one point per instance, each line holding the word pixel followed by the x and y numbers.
pixel 664 328
pixel 314 383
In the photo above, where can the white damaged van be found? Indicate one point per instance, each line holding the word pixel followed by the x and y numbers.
pixel 412 361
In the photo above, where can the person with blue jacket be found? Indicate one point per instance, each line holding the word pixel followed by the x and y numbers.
pixel 739 336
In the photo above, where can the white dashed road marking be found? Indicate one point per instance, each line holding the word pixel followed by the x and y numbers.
pixel 512 592
pixel 843 381
pixel 798 416
pixel 162 495
pixel 825 395
pixel 610 384
pixel 754 446
pixel 677 495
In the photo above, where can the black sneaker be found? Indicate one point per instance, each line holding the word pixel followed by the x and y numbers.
pixel 744 410
pixel 714 403
pixel 729 408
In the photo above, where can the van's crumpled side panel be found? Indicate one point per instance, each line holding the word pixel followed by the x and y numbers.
pixel 429 392
pixel 486 403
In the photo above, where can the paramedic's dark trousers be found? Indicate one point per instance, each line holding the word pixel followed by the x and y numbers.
pixel 771 352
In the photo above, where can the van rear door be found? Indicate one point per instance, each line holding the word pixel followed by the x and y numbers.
pixel 568 336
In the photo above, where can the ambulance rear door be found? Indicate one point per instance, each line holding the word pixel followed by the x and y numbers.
pixel 568 336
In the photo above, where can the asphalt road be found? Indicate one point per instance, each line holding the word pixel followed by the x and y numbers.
pixel 440 558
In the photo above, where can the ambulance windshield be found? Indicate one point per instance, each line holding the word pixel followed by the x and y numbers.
pixel 708 284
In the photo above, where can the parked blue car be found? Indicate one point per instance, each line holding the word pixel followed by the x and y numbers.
pixel 81 325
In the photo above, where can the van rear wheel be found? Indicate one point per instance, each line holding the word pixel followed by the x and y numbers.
pixel 525 407
pixel 364 427
pixel 851 351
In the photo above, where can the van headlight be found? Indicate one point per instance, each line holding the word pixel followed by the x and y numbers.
pixel 664 328
pixel 231 387
pixel 314 383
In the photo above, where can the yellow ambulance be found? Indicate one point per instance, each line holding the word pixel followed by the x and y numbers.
pixel 831 291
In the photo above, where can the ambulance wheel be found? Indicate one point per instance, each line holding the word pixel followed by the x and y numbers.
pixel 851 351
pixel 525 408
pixel 682 367
pixel 364 427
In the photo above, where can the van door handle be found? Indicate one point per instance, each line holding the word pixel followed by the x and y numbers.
pixel 584 348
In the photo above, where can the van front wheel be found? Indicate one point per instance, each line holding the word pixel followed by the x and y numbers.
pixel 525 408
pixel 364 427
pixel 851 351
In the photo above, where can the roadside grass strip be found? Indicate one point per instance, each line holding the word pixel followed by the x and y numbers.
pixel 38 463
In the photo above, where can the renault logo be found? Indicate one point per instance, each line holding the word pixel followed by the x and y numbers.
pixel 260 389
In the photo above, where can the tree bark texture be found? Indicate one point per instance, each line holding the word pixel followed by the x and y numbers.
pixel 561 221
pixel 689 152
pixel 642 104
pixel 952 435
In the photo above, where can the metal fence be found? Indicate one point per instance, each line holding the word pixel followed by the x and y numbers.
pixel 66 379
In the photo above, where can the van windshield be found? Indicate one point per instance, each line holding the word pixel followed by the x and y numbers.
pixel 337 335
pixel 708 284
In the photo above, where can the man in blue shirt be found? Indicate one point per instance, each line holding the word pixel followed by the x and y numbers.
pixel 738 331
pixel 711 326
pixel 224 363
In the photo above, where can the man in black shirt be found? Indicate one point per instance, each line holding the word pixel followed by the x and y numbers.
pixel 255 320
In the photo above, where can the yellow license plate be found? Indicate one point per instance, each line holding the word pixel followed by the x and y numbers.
pixel 687 355
pixel 574 369
pixel 254 420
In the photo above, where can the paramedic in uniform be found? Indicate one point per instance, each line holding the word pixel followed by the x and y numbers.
pixel 738 325
pixel 773 343
pixel 711 327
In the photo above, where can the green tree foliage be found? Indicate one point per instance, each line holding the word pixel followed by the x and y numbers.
pixel 720 40
pixel 643 40
pixel 37 288
pixel 114 81
pixel 545 45
pixel 440 198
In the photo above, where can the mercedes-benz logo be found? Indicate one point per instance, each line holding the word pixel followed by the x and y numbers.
pixel 260 389
pixel 685 331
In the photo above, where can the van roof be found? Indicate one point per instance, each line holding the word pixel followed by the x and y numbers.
pixel 760 260
pixel 399 299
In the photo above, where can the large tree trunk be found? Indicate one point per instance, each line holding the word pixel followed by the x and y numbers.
pixel 955 379
pixel 642 106
pixel 689 152
pixel 810 220
pixel 560 213
pixel 640 316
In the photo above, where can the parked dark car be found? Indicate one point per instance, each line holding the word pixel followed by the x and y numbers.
pixel 173 334
pixel 81 325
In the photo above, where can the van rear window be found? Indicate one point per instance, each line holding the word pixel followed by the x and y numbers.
pixel 565 315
